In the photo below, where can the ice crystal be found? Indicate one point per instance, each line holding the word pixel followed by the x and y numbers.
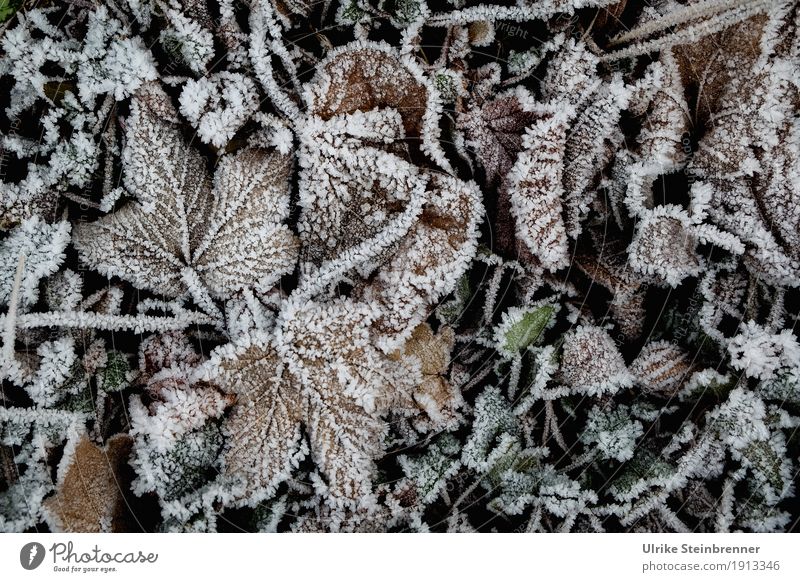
pixel 760 354
pixel 41 247
pixel 218 105
pixel 613 433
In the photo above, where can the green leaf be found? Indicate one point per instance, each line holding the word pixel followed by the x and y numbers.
pixel 527 329
pixel 450 312
pixel 404 11
pixel 645 468
pixel 430 471
pixel 8 8
pixel 766 461
pixel 81 401
pixel 115 373
pixel 352 13
pixel 188 463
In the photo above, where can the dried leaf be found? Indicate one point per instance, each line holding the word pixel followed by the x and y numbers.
pixel 428 262
pixel 606 263
pixel 749 158
pixel 494 132
pixel 536 189
pixel 366 76
pixel 661 368
pixel 319 370
pixel 664 246
pixel 231 237
pixel 352 188
pixel 435 395
pixel 591 362
pixel 263 429
pixel 90 493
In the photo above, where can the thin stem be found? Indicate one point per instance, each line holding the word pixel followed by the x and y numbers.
pixel 9 330
pixel 89 320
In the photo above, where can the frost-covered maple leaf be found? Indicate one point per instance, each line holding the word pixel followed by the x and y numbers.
pixel 318 370
pixel 182 233
pixel 428 262
pixel 367 108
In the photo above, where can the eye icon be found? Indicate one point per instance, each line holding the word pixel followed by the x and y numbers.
pixel 31 555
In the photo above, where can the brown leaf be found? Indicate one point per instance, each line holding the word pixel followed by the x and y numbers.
pixel 662 368
pixel 748 159
pixel 604 260
pixel 89 496
pixel 435 395
pixel 710 65
pixel 320 370
pixel 664 246
pixel 428 262
pixel 591 362
pixel 608 16
pixel 263 429
pixel 181 229
pixel 367 77
pixel 536 190
pixel 494 132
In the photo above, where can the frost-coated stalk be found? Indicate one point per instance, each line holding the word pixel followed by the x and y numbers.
pixel 491 293
pixel 200 294
pixel 10 323
pixel 260 56
pixel 256 308
pixel 693 32
pixel 513 376
pixel 88 320
pixel 696 10
pixel 538 11
pixel 551 426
